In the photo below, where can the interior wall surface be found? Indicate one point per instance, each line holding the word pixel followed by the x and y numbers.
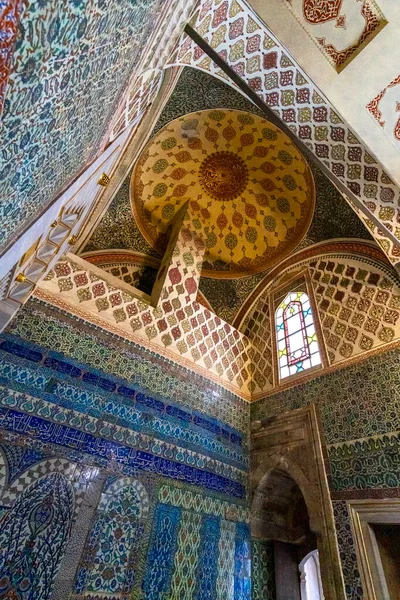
pixel 121 474
pixel 359 415
pixel 262 570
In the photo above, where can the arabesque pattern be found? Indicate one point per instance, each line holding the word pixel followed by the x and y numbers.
pixel 263 574
pixel 339 28
pixel 124 363
pixel 248 188
pixel 254 53
pixel 54 123
pixel 358 304
pixel 183 583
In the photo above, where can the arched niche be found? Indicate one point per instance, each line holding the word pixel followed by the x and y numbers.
pixel 279 509
pixel 290 495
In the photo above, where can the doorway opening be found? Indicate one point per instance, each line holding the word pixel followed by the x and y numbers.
pixel 376 532
pixel 283 519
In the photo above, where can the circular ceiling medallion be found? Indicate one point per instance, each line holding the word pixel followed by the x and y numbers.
pixel 247 186
pixel 223 175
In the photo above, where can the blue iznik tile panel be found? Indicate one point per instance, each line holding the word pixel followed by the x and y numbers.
pixel 33 536
pixel 53 329
pixel 71 63
pixel 111 487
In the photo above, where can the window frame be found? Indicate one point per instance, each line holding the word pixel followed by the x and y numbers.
pixel 298 282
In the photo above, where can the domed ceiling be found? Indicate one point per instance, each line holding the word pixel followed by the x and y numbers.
pixel 247 185
pixel 118 230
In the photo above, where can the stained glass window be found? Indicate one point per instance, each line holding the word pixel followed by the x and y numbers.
pixel 295 335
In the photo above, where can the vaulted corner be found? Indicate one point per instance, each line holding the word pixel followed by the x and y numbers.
pixel 199 300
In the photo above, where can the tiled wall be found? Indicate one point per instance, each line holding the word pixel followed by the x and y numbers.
pixel 357 299
pixel 174 322
pixel 49 107
pixel 262 571
pixel 134 469
pixel 360 416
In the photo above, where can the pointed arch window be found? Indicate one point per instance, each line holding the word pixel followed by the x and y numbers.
pixel 296 336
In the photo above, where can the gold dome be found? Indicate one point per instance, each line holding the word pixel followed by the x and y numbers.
pixel 247 184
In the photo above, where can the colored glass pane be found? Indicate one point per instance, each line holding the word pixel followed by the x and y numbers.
pixel 296 337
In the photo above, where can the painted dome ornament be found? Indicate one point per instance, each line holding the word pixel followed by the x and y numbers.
pixel 249 190
pixel 223 175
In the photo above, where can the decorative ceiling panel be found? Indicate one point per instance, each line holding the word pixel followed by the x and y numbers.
pixel 340 28
pixel 247 185
pixel 385 109
pixel 196 90
pixel 246 45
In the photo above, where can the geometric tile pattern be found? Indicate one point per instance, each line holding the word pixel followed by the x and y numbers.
pixel 253 52
pixel 358 303
pixel 140 519
pixel 83 400
pixel 193 501
pixel 63 408
pixel 128 267
pixel 257 327
pixel 178 326
pixel 133 268
pixel 183 581
pixel 32 474
pixel 359 306
pixel 357 298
